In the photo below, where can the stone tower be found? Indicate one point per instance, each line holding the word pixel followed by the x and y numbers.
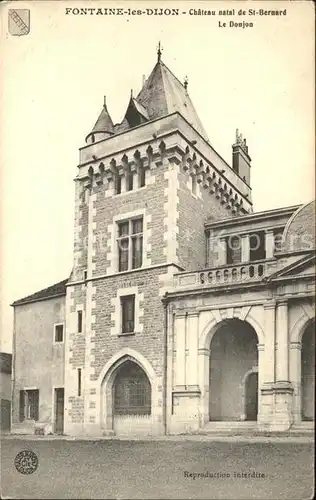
pixel 144 189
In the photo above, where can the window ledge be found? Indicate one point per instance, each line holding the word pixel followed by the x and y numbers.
pixel 129 192
pixel 130 270
pixel 126 334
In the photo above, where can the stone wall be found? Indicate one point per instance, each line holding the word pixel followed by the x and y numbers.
pixel 38 360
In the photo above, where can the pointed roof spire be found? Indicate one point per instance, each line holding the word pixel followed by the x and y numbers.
pixel 159 51
pixel 163 94
pixel 104 122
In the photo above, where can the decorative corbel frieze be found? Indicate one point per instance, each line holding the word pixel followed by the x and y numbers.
pixel 205 184
pixel 100 174
pixel 217 192
pixel 213 185
pixel 87 183
pixel 121 170
pixel 110 170
pixel 186 158
pixel 134 166
pixel 174 154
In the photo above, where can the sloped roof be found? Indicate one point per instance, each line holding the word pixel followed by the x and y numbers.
pixel 104 122
pixel 58 289
pixel 294 269
pixel 163 94
pixel 140 108
pixel 121 127
pixel 299 233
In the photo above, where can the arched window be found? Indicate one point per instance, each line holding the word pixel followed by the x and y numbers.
pixel 132 391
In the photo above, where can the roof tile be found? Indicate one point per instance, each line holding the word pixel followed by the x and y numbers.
pixel 51 291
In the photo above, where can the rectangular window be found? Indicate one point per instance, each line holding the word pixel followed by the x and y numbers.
pixel 278 239
pixel 79 318
pixel 233 249
pixel 137 252
pixel 130 244
pixel 142 177
pixel 118 184
pixel 129 181
pixel 79 381
pixel 29 405
pixel 22 406
pixel 59 333
pixel 123 254
pixel 257 246
pixel 128 313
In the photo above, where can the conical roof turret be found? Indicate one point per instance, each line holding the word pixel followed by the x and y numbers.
pixel 104 124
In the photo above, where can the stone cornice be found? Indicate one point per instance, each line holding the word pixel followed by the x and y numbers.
pixel 254 217
pixel 223 289
pixel 122 274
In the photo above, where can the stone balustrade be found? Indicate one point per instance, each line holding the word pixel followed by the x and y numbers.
pixel 245 272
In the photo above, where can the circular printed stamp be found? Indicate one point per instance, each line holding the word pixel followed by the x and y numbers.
pixel 26 462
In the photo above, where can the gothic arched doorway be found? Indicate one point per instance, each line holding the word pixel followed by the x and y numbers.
pixel 131 391
pixel 131 396
pixel 308 373
pixel 251 396
pixel 233 353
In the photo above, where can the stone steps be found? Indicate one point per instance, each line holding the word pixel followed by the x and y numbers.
pixel 252 429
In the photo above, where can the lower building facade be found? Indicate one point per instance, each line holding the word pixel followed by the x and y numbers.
pixel 201 353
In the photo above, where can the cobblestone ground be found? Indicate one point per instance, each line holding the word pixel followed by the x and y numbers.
pixel 159 469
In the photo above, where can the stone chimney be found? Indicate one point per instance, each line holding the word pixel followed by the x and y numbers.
pixel 241 158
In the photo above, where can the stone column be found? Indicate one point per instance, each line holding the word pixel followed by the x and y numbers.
pixel 261 356
pixel 123 183
pixel 170 366
pixel 269 244
pixel 245 248
pixel 186 394
pixel 180 327
pixel 222 252
pixel 192 345
pixel 283 389
pixel 268 367
pixel 266 364
pixel 296 378
pixel 204 383
pixel 282 365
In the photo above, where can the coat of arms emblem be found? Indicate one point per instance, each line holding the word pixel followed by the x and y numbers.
pixel 19 22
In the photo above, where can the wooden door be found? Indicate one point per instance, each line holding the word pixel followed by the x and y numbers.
pixel 59 411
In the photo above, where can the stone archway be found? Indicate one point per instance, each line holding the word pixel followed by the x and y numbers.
pixel 128 395
pixel 250 394
pixel 233 356
pixel 308 372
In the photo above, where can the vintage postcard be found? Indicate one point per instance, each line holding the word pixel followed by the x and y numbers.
pixel 157 249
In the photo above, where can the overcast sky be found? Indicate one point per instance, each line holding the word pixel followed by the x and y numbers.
pixel 258 79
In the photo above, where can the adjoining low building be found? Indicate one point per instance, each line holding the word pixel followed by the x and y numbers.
pixel 6 391
pixel 39 360
pixel 184 310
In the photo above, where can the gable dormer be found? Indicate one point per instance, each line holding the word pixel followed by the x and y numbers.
pixel 135 114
